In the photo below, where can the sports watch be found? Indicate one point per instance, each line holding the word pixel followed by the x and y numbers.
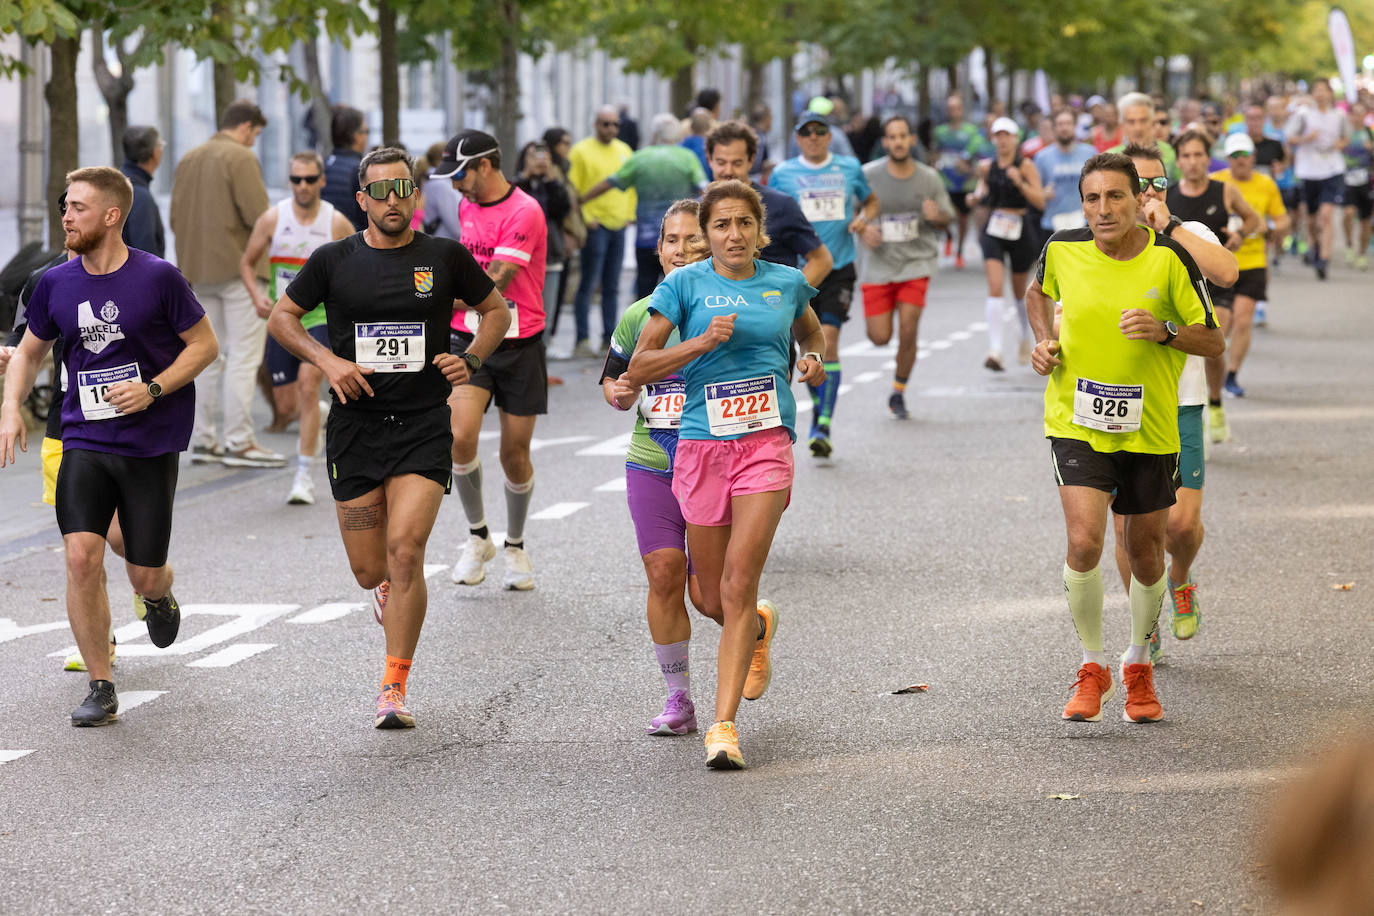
pixel 473 360
pixel 154 390
pixel 1170 332
pixel 1174 223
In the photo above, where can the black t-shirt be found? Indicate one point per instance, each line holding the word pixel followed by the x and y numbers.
pixel 363 287
pixel 792 236
pixel 1267 152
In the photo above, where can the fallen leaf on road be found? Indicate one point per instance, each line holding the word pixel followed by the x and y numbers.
pixel 1197 903
pixel 1343 586
pixel 914 688
pixel 1064 796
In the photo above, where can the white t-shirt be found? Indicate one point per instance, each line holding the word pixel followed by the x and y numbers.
pixel 1323 157
pixel 1192 383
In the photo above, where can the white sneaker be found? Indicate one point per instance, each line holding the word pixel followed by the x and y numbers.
pixel 519 572
pixel 302 490
pixel 472 560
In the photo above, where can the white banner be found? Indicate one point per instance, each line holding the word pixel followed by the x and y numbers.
pixel 1343 44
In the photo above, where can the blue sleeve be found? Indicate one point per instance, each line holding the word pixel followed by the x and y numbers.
pixel 801 236
pixel 36 310
pixel 781 180
pixel 666 301
pixel 183 309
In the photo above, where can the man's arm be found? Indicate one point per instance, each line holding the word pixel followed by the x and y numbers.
pixel 1197 339
pixel 258 243
pixel 867 214
pixel 494 321
pixel 1217 263
pixel 23 369
pixel 596 190
pixel 1236 203
pixel 200 351
pixel 1040 314
pixel 502 273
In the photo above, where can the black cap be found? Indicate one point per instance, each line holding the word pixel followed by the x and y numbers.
pixel 466 147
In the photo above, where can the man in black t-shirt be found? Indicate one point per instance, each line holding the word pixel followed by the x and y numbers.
pixel 390 293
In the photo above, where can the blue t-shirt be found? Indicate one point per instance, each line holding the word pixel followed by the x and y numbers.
pixel 827 194
pixel 119 326
pixel 764 306
pixel 1060 170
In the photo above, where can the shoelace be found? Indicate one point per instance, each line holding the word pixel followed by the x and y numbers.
pixel 392 696
pixel 383 592
pixel 1084 676
pixel 1183 599
pixel 719 732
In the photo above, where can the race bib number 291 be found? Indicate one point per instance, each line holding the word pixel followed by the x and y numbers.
pixel 390 346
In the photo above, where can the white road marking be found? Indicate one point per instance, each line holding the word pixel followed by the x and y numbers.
pixel 246 618
pixel 863 378
pixel 978 326
pixel 9 756
pixel 614 446
pixel 844 389
pixel 10 630
pixel 858 349
pixel 536 444
pixel 617 485
pixel 231 655
pixel 804 405
pixel 892 363
pixel 940 345
pixel 961 335
pixel 433 568
pixel 136 698
pixel 557 511
pixel 325 613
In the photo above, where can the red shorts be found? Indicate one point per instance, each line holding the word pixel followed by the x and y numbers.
pixel 707 473
pixel 881 298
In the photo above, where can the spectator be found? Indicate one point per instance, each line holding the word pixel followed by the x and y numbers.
pixel 761 120
pixel 629 127
pixel 698 125
pixel 538 177
pixel 595 159
pixel 350 132
pixel 559 143
pixel 142 155
pixel 217 196
pixel 710 100
pixel 441 201
pixel 659 174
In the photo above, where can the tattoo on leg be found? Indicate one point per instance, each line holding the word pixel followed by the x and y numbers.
pixel 361 518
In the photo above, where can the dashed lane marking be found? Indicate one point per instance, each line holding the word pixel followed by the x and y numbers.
pixel 614 446
pixel 135 698
pixel 557 511
pixel 245 619
pixel 10 630
pixel 325 613
pixel 863 378
pixel 536 444
pixel 11 756
pixel 231 655
pixel 612 486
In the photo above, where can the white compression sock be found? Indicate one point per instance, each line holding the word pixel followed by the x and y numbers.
pixel 993 311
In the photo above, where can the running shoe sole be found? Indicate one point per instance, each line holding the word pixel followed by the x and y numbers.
pixel 821 447
pixel 394 720
pixel 667 731
pixel 96 723
pixel 723 761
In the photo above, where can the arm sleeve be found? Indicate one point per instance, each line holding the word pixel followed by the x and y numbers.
pixel 473 285
pixel 623 342
pixel 804 294
pixel 183 309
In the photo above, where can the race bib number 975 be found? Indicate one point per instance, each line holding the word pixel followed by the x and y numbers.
pixel 1109 408
pixel 822 205
pixel 744 406
pixel 390 346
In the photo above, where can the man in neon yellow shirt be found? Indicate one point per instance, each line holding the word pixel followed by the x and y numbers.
pixel 1134 304
pixel 593 160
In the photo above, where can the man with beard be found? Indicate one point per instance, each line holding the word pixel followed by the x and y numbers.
pixel 136 338
pixel 913 208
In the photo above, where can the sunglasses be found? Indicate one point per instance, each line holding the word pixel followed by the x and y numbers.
pixel 1162 123
pixel 1159 184
pixel 382 188
pixel 308 179
pixel 615 124
pixel 1239 154
pixel 813 131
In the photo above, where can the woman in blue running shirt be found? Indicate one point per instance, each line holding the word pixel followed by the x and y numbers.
pixel 733 469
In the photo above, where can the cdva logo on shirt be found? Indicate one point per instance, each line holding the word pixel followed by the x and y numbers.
pixel 724 302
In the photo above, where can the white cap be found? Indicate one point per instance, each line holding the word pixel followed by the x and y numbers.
pixel 1239 143
pixel 1006 125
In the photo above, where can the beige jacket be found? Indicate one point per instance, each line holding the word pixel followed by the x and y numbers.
pixel 217 195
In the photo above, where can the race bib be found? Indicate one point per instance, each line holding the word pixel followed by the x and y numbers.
pixel 1004 224
pixel 471 320
pixel 1109 408
pixel 744 406
pixel 822 205
pixel 1356 177
pixel 390 346
pixel 1062 221
pixel 94 383
pixel 949 161
pixel 661 404
pixel 900 227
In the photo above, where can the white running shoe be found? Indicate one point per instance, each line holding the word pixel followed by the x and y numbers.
pixel 302 490
pixel 519 572
pixel 472 560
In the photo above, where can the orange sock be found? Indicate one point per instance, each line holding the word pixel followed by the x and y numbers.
pixel 397 670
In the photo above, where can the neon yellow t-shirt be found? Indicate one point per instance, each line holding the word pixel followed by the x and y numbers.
pixel 1263 196
pixel 1101 367
pixel 591 161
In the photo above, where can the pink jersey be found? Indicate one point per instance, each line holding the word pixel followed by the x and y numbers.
pixel 512 229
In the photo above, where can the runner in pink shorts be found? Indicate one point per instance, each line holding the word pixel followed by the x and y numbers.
pixel 732 475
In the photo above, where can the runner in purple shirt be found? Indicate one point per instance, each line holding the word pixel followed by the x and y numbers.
pixel 136 338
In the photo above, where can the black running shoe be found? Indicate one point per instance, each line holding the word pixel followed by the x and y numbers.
pixel 820 441
pixel 101 706
pixel 897 404
pixel 163 620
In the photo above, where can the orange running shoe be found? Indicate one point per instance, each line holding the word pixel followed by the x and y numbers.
pixel 1092 688
pixel 722 747
pixel 761 666
pixel 1141 703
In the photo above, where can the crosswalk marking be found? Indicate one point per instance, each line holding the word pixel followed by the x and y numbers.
pixel 133 699
pixel 614 446
pixel 231 655
pixel 616 485
pixel 245 619
pixel 557 511
pixel 10 756
pixel 325 613
pixel 10 630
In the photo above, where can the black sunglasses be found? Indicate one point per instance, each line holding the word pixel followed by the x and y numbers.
pixel 381 188
pixel 1160 184
pixel 615 124
pixel 308 179
pixel 813 131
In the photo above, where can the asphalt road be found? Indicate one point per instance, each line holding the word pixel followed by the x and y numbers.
pixel 244 775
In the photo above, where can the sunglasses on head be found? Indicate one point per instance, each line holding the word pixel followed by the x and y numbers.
pixel 1159 184
pixel 813 130
pixel 382 188
pixel 308 179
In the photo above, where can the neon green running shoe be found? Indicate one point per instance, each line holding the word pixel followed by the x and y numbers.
pixel 1187 616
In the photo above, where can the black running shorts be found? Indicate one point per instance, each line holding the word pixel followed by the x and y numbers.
pixel 1143 483
pixel 93 486
pixel 831 303
pixel 365 448
pixel 516 374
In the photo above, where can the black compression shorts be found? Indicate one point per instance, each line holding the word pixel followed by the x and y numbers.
pixel 93 486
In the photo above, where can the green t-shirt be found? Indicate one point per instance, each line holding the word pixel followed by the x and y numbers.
pixel 280 274
pixel 1105 378
pixel 650 449
pixel 659 175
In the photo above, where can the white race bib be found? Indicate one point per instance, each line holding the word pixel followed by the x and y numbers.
pixel 1004 224
pixel 471 320
pixel 744 406
pixel 1356 177
pixel 900 227
pixel 1109 408
pixel 661 404
pixel 390 346
pixel 822 205
pixel 949 161
pixel 94 383
pixel 1062 221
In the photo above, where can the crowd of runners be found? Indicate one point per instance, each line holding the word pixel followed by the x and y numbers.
pixel 1136 237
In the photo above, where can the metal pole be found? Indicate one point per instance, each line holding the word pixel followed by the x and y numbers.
pixel 33 122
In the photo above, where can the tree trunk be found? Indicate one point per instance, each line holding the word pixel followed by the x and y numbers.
pixel 389 62
pixel 789 90
pixel 115 89
pixel 319 99
pixel 990 76
pixel 226 86
pixel 922 92
pixel 508 87
pixel 683 88
pixel 64 152
pixel 1198 75
pixel 753 83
